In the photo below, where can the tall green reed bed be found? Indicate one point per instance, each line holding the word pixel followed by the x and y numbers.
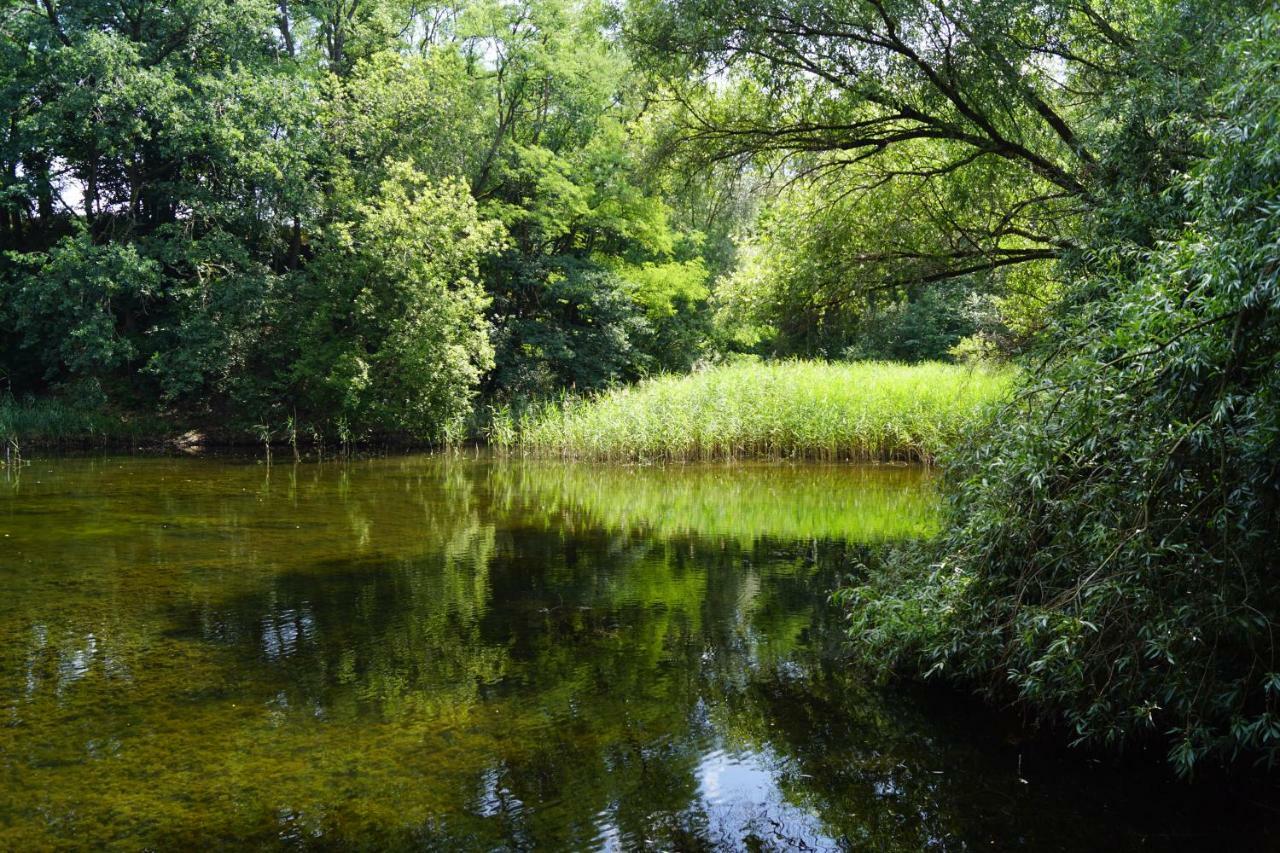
pixel 793 409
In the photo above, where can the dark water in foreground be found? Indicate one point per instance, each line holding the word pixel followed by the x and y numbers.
pixel 447 654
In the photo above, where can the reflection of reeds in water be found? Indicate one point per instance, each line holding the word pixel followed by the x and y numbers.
pixel 863 503
pixel 812 410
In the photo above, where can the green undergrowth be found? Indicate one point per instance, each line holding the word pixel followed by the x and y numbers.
pixel 50 422
pixel 1108 560
pixel 792 409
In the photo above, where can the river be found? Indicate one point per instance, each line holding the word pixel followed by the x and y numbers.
pixel 446 652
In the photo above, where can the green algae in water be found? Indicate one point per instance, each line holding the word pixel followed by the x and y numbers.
pixel 433 653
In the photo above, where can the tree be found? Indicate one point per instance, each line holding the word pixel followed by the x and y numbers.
pixel 398 342
pixel 828 271
pixel 178 177
pixel 1109 565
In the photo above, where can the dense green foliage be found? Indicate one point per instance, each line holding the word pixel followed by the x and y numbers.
pixel 1100 186
pixel 399 338
pixel 1113 551
pixel 332 215
pixel 916 143
pixel 793 409
pixel 57 423
pixel 375 219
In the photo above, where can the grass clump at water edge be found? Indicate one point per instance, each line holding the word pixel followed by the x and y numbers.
pixel 52 422
pixel 791 409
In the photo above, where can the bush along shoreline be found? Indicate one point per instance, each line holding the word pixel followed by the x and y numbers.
pixel 51 423
pixel 1108 565
pixel 860 411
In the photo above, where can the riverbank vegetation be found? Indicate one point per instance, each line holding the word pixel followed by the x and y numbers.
pixel 1098 190
pixel 1110 561
pixel 352 219
pixel 787 409
pixel 374 221
pixel 373 224
pixel 54 423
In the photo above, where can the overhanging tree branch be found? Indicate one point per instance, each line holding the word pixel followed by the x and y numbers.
pixel 51 12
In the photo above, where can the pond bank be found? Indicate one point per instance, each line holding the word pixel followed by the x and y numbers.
pixel 782 410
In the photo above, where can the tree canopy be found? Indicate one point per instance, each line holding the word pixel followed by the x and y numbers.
pixel 267 211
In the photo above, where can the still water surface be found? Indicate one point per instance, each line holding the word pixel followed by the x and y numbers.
pixel 443 653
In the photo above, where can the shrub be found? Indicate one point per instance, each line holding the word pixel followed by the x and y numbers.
pixel 1110 562
pixel 397 316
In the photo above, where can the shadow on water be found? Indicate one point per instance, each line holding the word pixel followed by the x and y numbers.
pixel 431 653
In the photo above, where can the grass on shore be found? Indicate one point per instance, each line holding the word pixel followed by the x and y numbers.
pixel 793 409
pixel 49 422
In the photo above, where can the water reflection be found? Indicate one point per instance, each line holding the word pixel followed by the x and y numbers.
pixel 435 653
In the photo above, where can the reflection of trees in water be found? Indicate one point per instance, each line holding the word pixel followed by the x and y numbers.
pixel 440 653
pixel 104 551
pixel 625 661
